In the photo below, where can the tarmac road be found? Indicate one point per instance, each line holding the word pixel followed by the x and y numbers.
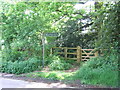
pixel 12 83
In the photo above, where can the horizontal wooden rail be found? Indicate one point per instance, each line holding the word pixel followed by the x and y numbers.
pixel 88 56
pixel 87 49
pixel 72 53
pixel 88 53
pixel 60 52
pixel 59 47
pixel 71 48
pixel 72 58
pixel 66 53
pixel 84 59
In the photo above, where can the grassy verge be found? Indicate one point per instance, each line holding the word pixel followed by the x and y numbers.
pixel 55 75
pixel 101 71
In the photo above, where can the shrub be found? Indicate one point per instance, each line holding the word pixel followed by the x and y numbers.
pixel 50 59
pixel 14 55
pixel 58 64
pixel 99 71
pixel 20 67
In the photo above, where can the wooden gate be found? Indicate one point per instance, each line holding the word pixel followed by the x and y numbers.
pixel 77 53
pixel 88 53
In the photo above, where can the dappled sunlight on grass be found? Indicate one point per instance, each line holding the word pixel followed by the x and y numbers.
pixel 55 75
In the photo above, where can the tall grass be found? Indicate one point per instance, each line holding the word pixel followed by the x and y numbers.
pixel 99 71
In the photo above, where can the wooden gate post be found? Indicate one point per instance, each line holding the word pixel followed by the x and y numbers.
pixel 79 54
pixel 65 51
pixel 96 53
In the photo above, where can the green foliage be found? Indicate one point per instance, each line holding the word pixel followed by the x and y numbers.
pixel 99 71
pixel 19 67
pixel 108 27
pixel 23 24
pixel 71 31
pixel 54 75
pixel 57 63
pixel 49 59
pixel 14 55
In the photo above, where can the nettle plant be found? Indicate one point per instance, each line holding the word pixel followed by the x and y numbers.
pixel 54 62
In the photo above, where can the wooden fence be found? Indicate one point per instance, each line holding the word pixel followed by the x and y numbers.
pixel 77 53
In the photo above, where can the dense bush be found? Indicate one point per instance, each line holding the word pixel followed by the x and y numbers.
pixel 59 65
pixel 56 63
pixel 20 67
pixel 49 59
pixel 100 70
pixel 14 55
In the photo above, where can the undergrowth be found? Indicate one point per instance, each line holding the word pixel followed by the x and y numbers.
pixel 54 75
pixel 99 71
pixel 19 67
pixel 57 63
